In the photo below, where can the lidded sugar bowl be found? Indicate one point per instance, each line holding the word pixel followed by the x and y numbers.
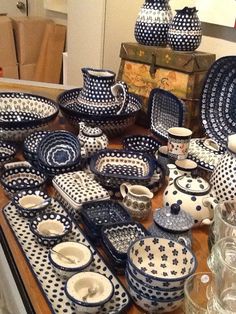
pixel 172 223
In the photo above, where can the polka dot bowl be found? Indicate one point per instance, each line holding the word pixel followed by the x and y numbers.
pixel 50 228
pixel 22 113
pixel 161 262
pixel 7 152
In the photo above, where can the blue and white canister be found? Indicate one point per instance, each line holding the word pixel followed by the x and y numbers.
pixel 153 22
pixel 185 32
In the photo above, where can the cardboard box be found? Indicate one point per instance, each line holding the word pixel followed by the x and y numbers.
pixel 10 71
pixel 144 68
pixel 26 71
pixel 29 33
pixel 7 44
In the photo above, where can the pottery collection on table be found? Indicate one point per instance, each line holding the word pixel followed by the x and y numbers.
pixel 103 196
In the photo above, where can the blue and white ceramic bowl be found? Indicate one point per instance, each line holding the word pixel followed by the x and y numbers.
pixel 69 258
pixel 22 178
pixel 7 152
pixel 89 291
pixel 153 305
pixel 161 262
pixel 50 228
pixel 31 202
pixel 141 143
pixel 22 113
pixel 150 291
pixel 31 143
pixel 111 123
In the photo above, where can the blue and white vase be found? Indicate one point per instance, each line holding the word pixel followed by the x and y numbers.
pixel 185 32
pixel 152 24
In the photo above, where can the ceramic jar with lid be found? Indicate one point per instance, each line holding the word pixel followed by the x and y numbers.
pixel 92 139
pixel 172 223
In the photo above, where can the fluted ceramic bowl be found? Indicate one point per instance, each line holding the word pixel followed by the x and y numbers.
pixel 111 124
pixel 23 113
pixel 161 262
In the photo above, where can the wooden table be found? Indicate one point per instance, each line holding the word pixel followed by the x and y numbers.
pixel 37 299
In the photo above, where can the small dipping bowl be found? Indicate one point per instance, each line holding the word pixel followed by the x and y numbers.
pixel 79 254
pixel 29 203
pixel 89 291
pixel 50 228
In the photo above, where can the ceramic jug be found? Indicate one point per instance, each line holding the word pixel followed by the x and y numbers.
pixel 92 139
pixel 223 178
pixel 137 200
pixel 152 24
pixel 101 94
pixel 185 31
pixel 192 193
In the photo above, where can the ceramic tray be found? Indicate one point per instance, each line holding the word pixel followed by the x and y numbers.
pixel 165 110
pixel 219 100
pixel 52 285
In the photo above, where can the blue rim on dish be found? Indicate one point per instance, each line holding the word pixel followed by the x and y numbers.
pixel 38 119
pixel 161 278
pixel 70 269
pixel 218 99
pixel 84 303
pixel 165 110
pixel 116 153
pixel 141 143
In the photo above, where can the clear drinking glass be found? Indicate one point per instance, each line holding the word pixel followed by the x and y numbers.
pixel 198 290
pixel 222 263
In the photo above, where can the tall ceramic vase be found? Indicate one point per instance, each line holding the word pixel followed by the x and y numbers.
pixel 185 31
pixel 152 24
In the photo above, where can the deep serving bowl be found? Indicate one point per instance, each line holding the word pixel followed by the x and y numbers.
pixel 50 228
pixel 161 262
pixel 69 258
pixel 154 305
pixel 113 167
pixel 58 152
pixel 141 143
pixel 22 113
pixel 7 152
pixel 89 291
pixel 111 124
pixel 31 202
pixel 22 178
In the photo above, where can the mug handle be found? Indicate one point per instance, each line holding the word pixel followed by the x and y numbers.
pixel 118 90
pixel 124 189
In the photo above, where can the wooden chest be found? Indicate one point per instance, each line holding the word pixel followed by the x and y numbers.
pixel 182 73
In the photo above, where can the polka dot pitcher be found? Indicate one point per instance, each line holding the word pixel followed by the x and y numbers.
pixel 185 31
pixel 223 178
pixel 100 94
pixel 152 24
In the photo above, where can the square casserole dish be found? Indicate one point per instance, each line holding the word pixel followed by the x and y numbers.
pixel 113 167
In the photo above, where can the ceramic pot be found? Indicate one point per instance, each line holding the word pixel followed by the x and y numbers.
pixel 192 193
pixel 92 139
pixel 137 200
pixel 223 178
pixel 185 31
pixel 101 94
pixel 152 24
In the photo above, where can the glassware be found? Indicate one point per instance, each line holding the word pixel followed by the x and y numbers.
pixel 198 291
pixel 222 263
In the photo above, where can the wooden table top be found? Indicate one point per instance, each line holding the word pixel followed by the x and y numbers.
pixel 38 301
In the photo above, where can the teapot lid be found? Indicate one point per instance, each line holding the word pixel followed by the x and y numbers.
pixel 188 184
pixel 173 218
pixel 90 131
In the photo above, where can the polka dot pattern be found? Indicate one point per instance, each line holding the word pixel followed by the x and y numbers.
pixel 185 30
pixel 152 24
pixel 51 283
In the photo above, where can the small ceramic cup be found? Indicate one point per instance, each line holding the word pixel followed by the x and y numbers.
pixel 178 142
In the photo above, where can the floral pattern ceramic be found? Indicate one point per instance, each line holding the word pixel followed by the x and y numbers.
pixel 22 113
pixel 152 24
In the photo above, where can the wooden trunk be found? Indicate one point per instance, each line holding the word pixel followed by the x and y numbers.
pixel 182 73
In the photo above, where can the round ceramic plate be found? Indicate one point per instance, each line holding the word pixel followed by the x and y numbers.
pixel 219 100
